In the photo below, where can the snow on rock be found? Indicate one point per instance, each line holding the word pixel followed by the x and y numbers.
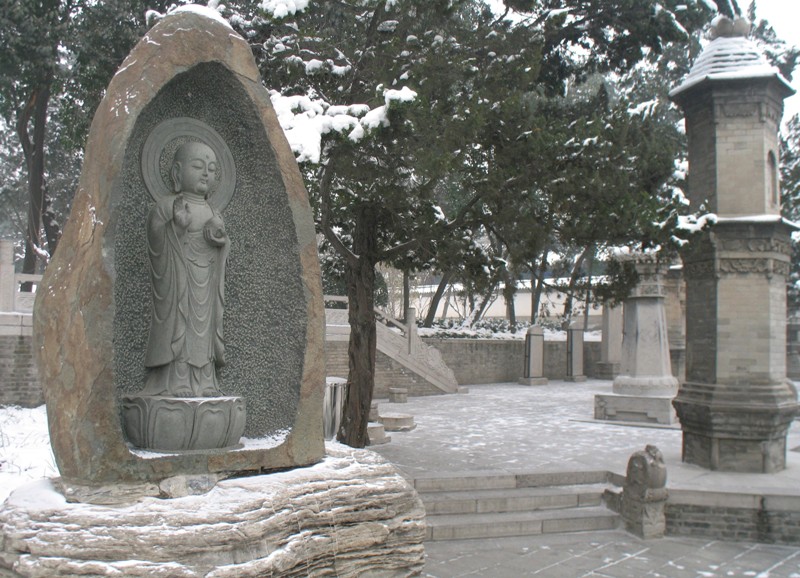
pixel 350 515
pixel 203 11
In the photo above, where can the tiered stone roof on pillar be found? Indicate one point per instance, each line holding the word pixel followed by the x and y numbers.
pixel 736 404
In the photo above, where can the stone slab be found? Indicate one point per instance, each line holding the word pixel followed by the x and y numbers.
pixel 350 515
pixel 627 408
pixel 398 422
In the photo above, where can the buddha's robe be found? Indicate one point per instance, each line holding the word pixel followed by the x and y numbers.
pixel 187 275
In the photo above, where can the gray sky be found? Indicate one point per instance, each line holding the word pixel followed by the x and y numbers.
pixel 784 16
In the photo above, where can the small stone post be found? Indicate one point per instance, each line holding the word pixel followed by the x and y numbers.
pixel 7 287
pixel 575 354
pixel 533 372
pixel 644 494
pixel 611 345
pixel 411 329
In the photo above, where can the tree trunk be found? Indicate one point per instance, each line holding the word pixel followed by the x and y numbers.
pixel 509 292
pixel 573 280
pixel 589 268
pixel 34 160
pixel 363 335
pixel 406 294
pixel 537 275
pixel 487 298
pixel 430 317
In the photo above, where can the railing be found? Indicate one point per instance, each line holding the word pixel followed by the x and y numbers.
pixel 11 298
pixel 405 345
pixel 408 329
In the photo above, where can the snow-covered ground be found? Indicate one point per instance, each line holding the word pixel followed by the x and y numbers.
pixel 470 333
pixel 25 452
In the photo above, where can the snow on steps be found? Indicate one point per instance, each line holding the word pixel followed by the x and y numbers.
pixel 490 504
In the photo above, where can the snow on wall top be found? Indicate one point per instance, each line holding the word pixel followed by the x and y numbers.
pixel 730 55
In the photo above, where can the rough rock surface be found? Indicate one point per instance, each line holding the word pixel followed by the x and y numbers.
pixel 350 515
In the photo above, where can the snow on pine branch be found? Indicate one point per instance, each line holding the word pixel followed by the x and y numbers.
pixel 283 8
pixel 305 119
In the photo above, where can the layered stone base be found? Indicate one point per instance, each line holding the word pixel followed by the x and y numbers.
pixel 736 437
pixel 631 408
pixel 350 515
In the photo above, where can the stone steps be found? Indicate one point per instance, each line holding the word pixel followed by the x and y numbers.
pixel 509 524
pixel 512 500
pixel 490 505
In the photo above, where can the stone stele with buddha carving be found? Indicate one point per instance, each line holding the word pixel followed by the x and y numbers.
pixel 180 326
pixel 186 288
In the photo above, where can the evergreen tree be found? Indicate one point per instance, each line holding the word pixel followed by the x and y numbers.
pixel 409 95
pixel 56 58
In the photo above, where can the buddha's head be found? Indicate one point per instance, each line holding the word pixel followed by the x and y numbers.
pixel 194 169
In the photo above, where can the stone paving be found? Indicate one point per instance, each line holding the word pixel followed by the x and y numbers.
pixel 513 428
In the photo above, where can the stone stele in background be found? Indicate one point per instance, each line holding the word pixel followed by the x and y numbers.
pixel 249 335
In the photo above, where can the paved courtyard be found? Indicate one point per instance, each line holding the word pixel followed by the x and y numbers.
pixel 513 428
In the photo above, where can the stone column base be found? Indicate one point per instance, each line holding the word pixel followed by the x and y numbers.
pixel 630 408
pixel 533 381
pixel 576 378
pixel 735 437
pixel 351 515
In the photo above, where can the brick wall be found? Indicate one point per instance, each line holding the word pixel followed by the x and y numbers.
pixel 476 361
pixel 19 379
pixel 737 524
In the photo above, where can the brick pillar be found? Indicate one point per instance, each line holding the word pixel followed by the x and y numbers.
pixel 736 404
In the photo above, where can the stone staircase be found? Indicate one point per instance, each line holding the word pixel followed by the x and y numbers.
pixel 400 343
pixel 493 505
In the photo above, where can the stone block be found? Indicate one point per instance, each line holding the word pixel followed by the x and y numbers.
pixel 377 434
pixel 639 409
pixel 398 395
pixel 398 422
